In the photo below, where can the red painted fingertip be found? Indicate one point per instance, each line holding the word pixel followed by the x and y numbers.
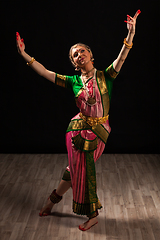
pixel 22 40
pixel 139 11
pixel 20 45
pixel 128 16
pixel 125 21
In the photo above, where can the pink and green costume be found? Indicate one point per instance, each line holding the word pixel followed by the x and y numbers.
pixel 86 142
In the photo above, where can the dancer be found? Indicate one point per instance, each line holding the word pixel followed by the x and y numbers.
pixel 88 131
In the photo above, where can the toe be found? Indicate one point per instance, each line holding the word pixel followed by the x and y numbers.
pixel 45 212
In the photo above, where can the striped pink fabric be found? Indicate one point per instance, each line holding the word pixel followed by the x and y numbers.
pixel 76 158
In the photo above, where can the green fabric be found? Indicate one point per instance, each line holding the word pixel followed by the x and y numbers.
pixel 74 82
pixel 109 81
pixel 66 176
pixel 77 125
pixel 90 194
pixel 91 202
pixel 83 144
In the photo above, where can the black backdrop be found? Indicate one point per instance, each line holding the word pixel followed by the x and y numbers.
pixel 35 113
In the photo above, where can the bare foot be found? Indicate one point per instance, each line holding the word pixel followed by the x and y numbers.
pixel 46 210
pixel 87 225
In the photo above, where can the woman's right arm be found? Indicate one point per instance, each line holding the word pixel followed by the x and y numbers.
pixel 36 66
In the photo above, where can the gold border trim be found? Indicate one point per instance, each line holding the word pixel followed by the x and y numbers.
pixel 92 121
pixel 104 92
pixel 112 72
pixel 84 144
pixel 86 209
pixel 78 124
pixel 79 93
pixel 101 132
pixel 60 80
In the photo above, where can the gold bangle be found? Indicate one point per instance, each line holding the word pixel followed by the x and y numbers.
pixel 127 45
pixel 32 60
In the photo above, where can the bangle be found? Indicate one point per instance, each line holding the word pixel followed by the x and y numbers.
pixel 32 60
pixel 127 45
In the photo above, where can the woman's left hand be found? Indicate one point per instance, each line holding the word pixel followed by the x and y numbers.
pixel 131 22
pixel 20 44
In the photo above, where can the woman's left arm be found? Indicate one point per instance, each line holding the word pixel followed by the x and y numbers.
pixel 131 25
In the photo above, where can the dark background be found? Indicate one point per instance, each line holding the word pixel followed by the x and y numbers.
pixel 34 113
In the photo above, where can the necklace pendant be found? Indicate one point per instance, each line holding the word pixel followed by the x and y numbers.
pixel 91 101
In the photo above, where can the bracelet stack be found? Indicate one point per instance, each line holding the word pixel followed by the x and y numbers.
pixel 127 45
pixel 32 60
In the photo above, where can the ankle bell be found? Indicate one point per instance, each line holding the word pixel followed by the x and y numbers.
pixel 54 197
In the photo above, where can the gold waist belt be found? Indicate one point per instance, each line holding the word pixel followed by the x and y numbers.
pixel 92 121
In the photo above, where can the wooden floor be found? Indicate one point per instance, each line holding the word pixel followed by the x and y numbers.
pixel 128 189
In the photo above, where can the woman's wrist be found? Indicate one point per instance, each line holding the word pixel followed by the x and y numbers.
pixel 130 37
pixel 23 54
pixel 26 57
pixel 131 33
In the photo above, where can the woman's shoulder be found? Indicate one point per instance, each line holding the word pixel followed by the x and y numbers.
pixel 111 72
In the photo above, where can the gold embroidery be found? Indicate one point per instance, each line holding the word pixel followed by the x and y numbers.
pixel 94 214
pixel 104 92
pixel 112 72
pixel 84 144
pixel 93 121
pixel 61 80
pixel 79 93
pixel 86 209
pixel 101 132
pixel 90 188
pixel 78 124
pixel 102 82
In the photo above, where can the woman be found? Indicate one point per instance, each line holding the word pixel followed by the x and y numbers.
pixel 88 131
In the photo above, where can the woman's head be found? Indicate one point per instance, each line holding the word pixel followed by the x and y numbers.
pixel 78 53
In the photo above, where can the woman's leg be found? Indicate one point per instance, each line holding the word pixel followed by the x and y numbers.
pixel 55 197
pixel 63 187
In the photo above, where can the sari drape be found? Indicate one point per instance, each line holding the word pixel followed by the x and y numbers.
pixel 86 143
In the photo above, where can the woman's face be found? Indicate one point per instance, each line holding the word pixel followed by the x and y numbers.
pixel 81 56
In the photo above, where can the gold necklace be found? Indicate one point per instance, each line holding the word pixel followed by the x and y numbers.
pixel 86 74
pixel 91 100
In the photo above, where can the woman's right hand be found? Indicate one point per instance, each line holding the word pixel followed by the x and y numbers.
pixel 36 66
pixel 20 44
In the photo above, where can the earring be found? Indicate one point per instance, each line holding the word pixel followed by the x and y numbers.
pixel 77 69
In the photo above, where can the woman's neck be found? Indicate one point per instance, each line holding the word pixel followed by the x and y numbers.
pixel 88 69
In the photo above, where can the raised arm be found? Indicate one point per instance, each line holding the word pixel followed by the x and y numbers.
pixel 39 68
pixel 131 24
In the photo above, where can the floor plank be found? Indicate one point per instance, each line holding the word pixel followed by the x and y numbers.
pixel 128 186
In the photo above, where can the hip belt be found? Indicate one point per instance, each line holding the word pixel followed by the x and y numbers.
pixel 93 121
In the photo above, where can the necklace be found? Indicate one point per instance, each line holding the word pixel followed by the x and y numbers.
pixel 91 100
pixel 86 74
